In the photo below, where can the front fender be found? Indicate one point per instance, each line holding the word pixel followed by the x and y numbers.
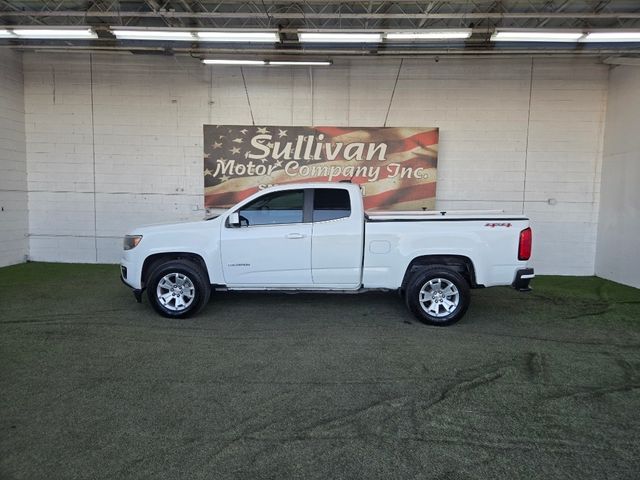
pixel 197 241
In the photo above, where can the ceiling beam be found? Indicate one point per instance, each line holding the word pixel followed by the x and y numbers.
pixel 633 61
pixel 14 8
pixel 336 16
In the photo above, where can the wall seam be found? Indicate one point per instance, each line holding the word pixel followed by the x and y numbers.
pixel 93 151
pixel 26 159
pixel 599 165
pixel 526 144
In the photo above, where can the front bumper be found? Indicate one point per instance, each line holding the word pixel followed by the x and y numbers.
pixel 131 269
pixel 523 277
pixel 137 292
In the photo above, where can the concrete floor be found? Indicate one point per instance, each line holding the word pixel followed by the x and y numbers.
pixel 93 385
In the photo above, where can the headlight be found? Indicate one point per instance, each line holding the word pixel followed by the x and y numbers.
pixel 131 241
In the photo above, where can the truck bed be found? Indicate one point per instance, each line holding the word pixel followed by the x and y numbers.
pixel 488 239
pixel 435 215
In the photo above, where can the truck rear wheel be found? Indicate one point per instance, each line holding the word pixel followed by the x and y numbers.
pixel 437 295
pixel 178 289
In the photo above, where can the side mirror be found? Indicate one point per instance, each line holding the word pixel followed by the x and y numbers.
pixel 234 219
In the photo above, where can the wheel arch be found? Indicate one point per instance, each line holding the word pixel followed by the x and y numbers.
pixel 459 263
pixel 153 260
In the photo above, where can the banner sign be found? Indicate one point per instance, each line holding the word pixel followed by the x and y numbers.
pixel 395 167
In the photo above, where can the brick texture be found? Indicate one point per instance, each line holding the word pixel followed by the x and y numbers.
pixel 115 141
pixel 619 222
pixel 13 163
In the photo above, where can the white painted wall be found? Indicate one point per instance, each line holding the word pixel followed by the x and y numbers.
pixel 115 141
pixel 14 244
pixel 618 256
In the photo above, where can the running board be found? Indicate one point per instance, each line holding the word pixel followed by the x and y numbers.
pixel 299 290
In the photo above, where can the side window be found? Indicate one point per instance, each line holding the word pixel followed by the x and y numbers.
pixel 330 204
pixel 275 208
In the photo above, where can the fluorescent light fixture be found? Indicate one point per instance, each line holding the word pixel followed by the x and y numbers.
pixel 222 61
pixel 620 36
pixel 340 37
pixel 209 61
pixel 168 35
pixel 70 33
pixel 536 36
pixel 311 63
pixel 268 37
pixel 430 35
pixel 4 33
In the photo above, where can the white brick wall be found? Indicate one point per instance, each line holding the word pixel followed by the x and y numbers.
pixel 143 117
pixel 568 105
pixel 619 228
pixel 14 244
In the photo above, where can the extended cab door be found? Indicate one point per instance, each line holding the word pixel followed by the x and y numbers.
pixel 272 247
pixel 338 229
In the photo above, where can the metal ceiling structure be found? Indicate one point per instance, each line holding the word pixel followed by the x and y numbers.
pixel 483 16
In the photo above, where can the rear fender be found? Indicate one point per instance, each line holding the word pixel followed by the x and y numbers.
pixel 459 263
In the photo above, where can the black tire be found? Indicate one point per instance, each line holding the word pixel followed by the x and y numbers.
pixel 178 270
pixel 421 278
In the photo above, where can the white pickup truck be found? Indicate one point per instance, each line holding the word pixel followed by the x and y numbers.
pixel 317 237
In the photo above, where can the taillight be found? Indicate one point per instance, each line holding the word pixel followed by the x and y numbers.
pixel 524 247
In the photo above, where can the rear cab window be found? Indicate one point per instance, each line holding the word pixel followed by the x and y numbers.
pixel 331 204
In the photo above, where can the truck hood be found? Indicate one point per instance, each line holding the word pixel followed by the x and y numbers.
pixel 175 227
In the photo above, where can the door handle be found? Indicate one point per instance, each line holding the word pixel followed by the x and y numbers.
pixel 295 235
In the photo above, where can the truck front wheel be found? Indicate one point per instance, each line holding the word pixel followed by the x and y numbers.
pixel 437 295
pixel 178 288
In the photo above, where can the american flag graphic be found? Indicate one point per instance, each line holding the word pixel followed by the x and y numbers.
pixel 396 167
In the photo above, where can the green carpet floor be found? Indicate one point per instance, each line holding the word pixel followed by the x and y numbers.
pixel 95 386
